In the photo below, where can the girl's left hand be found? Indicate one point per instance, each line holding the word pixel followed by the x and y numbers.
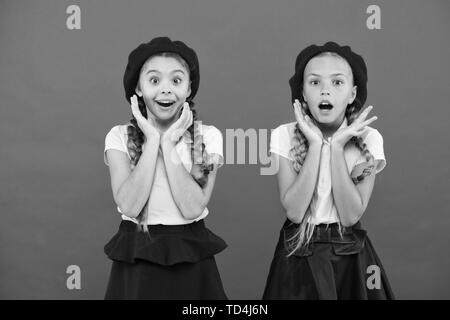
pixel 179 127
pixel 356 129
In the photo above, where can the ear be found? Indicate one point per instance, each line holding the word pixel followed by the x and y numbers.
pixel 353 96
pixel 189 89
pixel 304 99
pixel 138 90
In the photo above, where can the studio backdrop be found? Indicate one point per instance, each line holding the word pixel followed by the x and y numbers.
pixel 61 91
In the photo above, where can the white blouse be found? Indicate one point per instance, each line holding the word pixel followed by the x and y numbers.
pixel 161 207
pixel 322 204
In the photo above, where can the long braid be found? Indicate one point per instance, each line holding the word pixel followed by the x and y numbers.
pixel 136 139
pixel 300 148
pixel 352 113
pixel 201 166
pixel 305 231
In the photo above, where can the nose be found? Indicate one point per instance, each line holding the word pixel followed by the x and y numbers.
pixel 166 88
pixel 324 91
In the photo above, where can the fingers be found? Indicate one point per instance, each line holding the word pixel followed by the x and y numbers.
pixel 182 115
pixel 361 132
pixel 304 107
pixel 296 112
pixel 135 108
pixel 186 117
pixel 304 112
pixel 133 105
pixel 299 114
pixel 189 118
pixel 362 128
pixel 367 122
pixel 363 115
pixel 191 115
pixel 361 124
pixel 191 121
pixel 151 120
pixel 304 121
pixel 308 120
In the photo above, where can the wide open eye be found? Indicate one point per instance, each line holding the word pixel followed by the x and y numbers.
pixel 154 80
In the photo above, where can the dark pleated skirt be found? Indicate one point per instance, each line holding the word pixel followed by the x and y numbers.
pixel 169 262
pixel 331 267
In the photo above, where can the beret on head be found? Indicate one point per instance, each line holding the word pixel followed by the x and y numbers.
pixel 355 61
pixel 138 56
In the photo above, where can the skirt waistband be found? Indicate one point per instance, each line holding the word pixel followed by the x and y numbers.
pixel 130 226
pixel 326 232
pixel 350 241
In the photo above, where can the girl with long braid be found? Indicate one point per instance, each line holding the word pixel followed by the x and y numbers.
pixel 163 165
pixel 327 159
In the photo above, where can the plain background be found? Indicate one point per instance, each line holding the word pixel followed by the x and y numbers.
pixel 61 92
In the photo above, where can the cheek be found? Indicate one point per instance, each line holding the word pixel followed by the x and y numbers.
pixel 183 90
pixel 145 87
pixel 347 97
pixel 311 92
pixel 306 94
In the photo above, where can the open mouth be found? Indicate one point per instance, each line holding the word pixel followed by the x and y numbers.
pixel 165 104
pixel 325 106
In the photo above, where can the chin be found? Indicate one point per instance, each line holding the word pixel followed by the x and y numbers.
pixel 166 116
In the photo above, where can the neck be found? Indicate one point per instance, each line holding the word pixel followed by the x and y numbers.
pixel 328 129
pixel 161 125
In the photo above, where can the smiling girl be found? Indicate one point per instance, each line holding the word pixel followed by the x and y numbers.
pixel 328 160
pixel 163 166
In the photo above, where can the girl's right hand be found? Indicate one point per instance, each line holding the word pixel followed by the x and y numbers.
pixel 146 125
pixel 179 127
pixel 307 126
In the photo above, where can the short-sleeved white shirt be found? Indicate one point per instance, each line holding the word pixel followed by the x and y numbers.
pixel 322 204
pixel 161 207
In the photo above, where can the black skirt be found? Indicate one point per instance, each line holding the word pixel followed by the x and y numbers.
pixel 168 262
pixel 331 267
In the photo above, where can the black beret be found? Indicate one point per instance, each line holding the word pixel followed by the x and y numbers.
pixel 355 61
pixel 138 56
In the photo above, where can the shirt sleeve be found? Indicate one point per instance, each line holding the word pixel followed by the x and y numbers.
pixel 213 141
pixel 114 140
pixel 374 143
pixel 280 142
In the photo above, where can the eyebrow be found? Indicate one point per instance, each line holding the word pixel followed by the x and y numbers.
pixel 317 75
pixel 156 71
